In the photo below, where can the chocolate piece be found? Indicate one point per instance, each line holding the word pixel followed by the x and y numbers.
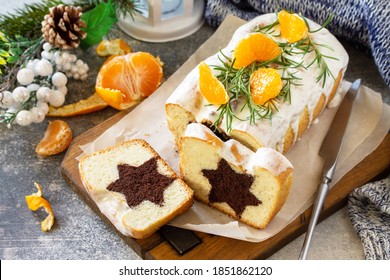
pixel 139 183
pixel 230 187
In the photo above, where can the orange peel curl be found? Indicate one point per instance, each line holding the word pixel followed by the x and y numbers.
pixel 36 201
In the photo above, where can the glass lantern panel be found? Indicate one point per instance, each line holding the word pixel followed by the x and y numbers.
pixel 171 8
pixel 143 7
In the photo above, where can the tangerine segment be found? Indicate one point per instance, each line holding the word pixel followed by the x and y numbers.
pixel 255 47
pixel 210 87
pixel 149 72
pixel 126 79
pixel 57 139
pixel 292 27
pixel 266 84
pixel 110 47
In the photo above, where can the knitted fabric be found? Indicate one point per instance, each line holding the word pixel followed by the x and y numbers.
pixel 369 210
pixel 364 23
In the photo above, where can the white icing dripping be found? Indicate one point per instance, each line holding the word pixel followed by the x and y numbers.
pixel 239 155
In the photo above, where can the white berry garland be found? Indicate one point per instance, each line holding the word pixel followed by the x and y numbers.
pixel 41 82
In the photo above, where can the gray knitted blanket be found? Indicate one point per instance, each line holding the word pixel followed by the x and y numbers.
pixel 369 211
pixel 365 23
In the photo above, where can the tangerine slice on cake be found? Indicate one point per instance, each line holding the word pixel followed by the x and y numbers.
pixel 255 47
pixel 124 80
pixel 292 27
pixel 210 87
pixel 265 84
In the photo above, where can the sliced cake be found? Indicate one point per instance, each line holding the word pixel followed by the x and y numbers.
pixel 249 186
pixel 134 187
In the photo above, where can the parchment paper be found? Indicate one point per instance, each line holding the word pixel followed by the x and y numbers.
pixel 371 121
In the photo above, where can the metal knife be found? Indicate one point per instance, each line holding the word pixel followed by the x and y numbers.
pixel 330 151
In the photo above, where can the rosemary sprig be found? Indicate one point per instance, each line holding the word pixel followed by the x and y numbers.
pixel 237 81
pixel 237 85
pixel 321 63
pixel 268 29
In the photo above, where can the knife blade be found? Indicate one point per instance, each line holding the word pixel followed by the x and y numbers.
pixel 330 151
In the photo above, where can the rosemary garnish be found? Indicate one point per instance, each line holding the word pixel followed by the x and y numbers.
pixel 237 85
pixel 237 81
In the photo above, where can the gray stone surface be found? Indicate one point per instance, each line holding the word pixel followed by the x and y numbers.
pixel 78 232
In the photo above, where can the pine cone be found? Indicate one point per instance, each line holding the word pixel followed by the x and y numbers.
pixel 62 27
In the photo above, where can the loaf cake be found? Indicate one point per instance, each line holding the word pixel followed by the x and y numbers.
pixel 310 70
pixel 248 186
pixel 134 187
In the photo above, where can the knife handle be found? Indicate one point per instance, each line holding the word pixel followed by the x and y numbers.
pixel 321 196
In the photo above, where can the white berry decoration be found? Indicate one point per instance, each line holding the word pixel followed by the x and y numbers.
pixel 59 79
pixel 6 99
pixel 47 46
pixel 25 76
pixel 42 82
pixel 38 115
pixel 43 68
pixel 56 98
pixel 63 89
pixel 33 87
pixel 43 106
pixel 24 118
pixel 20 94
pixel 43 94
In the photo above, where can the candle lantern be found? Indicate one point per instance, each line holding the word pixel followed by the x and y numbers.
pixel 164 20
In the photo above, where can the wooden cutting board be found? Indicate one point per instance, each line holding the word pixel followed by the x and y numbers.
pixel 217 247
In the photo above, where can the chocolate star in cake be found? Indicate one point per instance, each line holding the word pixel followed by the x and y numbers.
pixel 139 183
pixel 230 187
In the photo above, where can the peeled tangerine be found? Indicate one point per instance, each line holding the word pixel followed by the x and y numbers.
pixel 57 139
pixel 292 27
pixel 266 84
pixel 210 87
pixel 125 80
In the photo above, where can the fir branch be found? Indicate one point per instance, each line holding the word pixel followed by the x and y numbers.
pixel 123 8
pixel 26 21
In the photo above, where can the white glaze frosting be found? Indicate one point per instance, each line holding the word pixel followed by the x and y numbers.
pixel 237 154
pixel 270 133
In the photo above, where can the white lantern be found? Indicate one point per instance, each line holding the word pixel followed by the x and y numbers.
pixel 164 20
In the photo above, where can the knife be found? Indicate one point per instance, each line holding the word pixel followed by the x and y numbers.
pixel 330 151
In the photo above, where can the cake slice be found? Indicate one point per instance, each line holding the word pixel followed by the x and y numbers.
pixel 249 186
pixel 134 187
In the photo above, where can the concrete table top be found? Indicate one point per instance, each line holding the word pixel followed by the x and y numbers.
pixel 78 232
